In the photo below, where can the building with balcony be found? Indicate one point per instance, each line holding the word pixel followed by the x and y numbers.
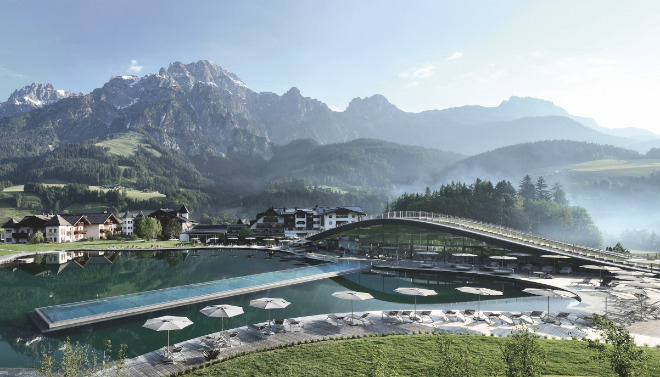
pixel 302 222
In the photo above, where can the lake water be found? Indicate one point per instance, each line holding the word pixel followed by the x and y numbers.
pixel 25 287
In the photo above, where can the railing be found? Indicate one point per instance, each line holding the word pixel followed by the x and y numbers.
pixel 504 232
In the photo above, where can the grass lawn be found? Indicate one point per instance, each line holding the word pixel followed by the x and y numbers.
pixel 410 355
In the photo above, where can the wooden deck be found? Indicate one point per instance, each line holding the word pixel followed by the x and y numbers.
pixel 318 327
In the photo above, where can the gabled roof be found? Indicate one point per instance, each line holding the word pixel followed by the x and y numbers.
pixel 57 220
pixel 34 221
pixel 101 218
pixel 74 219
pixel 183 209
pixel 10 223
pixel 166 212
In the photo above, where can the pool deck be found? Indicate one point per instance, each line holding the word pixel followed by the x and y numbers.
pixel 319 326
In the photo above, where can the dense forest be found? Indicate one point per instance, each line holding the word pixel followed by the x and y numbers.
pixel 533 206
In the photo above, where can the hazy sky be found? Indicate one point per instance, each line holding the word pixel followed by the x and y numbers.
pixel 598 59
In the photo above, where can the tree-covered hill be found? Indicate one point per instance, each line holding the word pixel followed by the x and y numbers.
pixel 533 207
pixel 520 159
pixel 360 172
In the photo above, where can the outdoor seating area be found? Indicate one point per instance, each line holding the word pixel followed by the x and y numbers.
pixel 196 351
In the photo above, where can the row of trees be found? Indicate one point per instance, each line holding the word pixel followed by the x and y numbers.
pixel 532 207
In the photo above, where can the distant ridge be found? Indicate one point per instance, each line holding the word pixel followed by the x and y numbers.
pixel 200 108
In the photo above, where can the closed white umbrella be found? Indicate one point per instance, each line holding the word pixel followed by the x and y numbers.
pixel 352 295
pixel 269 303
pixel 480 291
pixel 167 323
pixel 412 291
pixel 222 311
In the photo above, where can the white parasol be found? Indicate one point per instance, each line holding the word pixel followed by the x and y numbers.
pixel 412 291
pixel 167 323
pixel 480 291
pixel 222 311
pixel 352 295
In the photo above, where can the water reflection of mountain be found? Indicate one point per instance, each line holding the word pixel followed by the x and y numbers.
pixel 26 286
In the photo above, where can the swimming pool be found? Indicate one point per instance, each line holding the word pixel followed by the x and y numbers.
pixel 24 288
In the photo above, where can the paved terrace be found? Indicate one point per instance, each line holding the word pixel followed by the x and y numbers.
pixel 646 332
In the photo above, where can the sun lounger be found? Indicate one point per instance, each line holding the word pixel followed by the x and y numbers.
pixel 548 269
pixel 562 315
pixel 406 313
pixel 337 319
pixel 392 315
pixel 425 314
pixel 278 325
pixel 458 315
pixel 481 316
pixel 538 314
pixel 565 270
pixel 294 325
pixel 505 320
pixel 522 318
pixel 364 319
pixel 258 328
pixel 442 315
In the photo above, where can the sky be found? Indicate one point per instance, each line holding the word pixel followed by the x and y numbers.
pixel 595 58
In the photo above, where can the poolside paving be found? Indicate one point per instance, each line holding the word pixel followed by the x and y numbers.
pixel 319 326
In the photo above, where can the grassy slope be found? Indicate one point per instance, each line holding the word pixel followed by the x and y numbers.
pixel 125 144
pixel 8 211
pixel 605 168
pixel 415 355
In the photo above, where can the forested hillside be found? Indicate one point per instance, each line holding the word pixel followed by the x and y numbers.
pixel 533 207
pixel 520 159
pixel 302 173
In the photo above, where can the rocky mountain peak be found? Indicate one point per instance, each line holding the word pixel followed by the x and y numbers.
pixel 519 107
pixel 204 72
pixel 374 104
pixel 30 97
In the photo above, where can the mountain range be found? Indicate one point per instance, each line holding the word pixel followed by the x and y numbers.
pixel 199 108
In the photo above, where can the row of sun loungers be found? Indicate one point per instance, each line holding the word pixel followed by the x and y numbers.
pixel 351 319
pixel 492 318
